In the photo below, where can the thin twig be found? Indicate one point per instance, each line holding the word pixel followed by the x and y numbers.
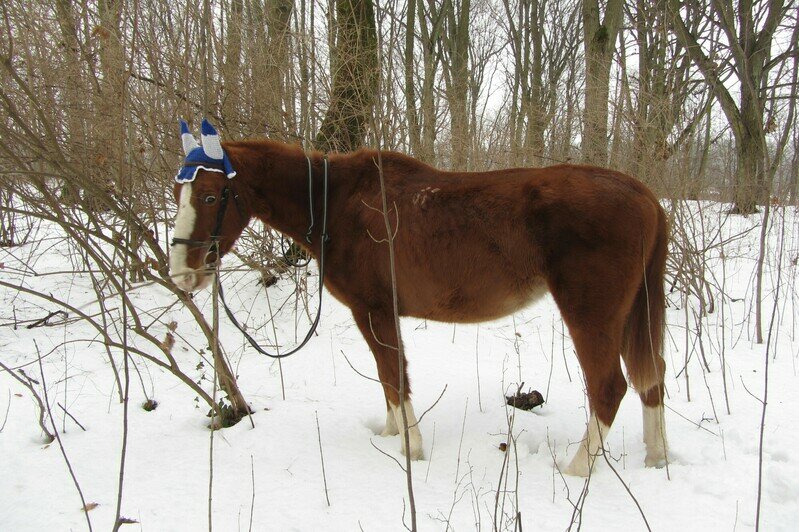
pixel 8 409
pixel 214 419
pixel 252 501
pixel 384 453
pixel 432 448
pixel 60 444
pixel 405 432
pixel 692 422
pixel 30 387
pixel 431 406
pixel 71 417
pixel 627 489
pixel 378 381
pixel 321 456
pixel 118 522
pixel 765 380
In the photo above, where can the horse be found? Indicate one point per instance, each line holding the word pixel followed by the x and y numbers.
pixel 468 247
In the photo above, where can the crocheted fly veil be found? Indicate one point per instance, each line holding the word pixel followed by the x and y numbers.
pixel 210 156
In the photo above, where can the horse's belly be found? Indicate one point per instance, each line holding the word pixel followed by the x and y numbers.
pixel 471 304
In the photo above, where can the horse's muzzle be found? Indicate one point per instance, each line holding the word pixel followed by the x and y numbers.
pixel 192 280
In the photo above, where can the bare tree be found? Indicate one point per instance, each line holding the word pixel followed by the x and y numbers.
pixel 747 53
pixel 455 43
pixel 231 68
pixel 431 27
pixel 35 146
pixel 110 135
pixel 665 91
pixel 793 180
pixel 600 32
pixel 543 44
pixel 354 75
pixel 279 108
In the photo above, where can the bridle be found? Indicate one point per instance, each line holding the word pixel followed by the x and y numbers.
pixel 213 246
pixel 213 239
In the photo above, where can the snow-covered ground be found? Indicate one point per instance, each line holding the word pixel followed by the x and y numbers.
pixel 270 476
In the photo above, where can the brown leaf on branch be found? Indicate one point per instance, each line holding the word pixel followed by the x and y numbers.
pixel 168 343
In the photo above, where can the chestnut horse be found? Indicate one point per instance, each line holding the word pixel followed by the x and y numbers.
pixel 469 247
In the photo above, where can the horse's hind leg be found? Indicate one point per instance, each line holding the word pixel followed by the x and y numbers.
pixel 652 404
pixel 654 427
pixel 645 366
pixel 377 327
pixel 598 351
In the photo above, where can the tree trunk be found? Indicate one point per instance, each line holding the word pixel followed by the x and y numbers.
pixel 600 39
pixel 750 189
pixel 270 41
pixel 278 19
pixel 750 52
pixel 70 195
pixel 697 184
pixel 430 31
pixel 536 113
pixel 354 77
pixel 231 70
pixel 457 80
pixel 109 130
pixel 663 88
pixel 411 114
pixel 793 183
pixel 564 152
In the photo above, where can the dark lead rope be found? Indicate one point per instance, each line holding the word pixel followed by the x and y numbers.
pixel 325 238
pixel 310 196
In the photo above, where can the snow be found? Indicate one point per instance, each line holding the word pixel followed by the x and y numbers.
pixel 270 476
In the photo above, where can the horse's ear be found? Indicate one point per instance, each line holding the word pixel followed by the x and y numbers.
pixel 189 142
pixel 210 139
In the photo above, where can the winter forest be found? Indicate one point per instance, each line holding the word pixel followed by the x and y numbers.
pixel 129 403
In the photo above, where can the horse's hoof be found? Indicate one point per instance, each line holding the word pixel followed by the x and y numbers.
pixel 578 467
pixel 577 471
pixel 416 454
pixel 657 461
pixel 389 431
pixel 390 428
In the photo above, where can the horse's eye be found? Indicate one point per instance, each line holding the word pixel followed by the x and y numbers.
pixel 209 200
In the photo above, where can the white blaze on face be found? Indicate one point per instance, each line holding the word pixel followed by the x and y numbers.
pixel 182 275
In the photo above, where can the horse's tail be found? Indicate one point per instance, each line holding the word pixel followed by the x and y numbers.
pixel 642 348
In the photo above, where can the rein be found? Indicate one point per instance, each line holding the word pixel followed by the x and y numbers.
pixel 325 239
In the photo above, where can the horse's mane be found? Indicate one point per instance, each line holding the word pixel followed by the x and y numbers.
pixel 274 147
pixel 282 150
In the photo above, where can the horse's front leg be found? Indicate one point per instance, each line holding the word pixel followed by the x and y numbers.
pixel 377 327
pixel 390 428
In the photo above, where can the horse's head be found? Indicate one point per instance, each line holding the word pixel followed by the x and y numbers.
pixel 211 215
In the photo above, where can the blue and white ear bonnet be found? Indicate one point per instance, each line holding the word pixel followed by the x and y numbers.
pixel 210 156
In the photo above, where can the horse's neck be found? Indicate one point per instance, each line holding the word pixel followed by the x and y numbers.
pixel 282 195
